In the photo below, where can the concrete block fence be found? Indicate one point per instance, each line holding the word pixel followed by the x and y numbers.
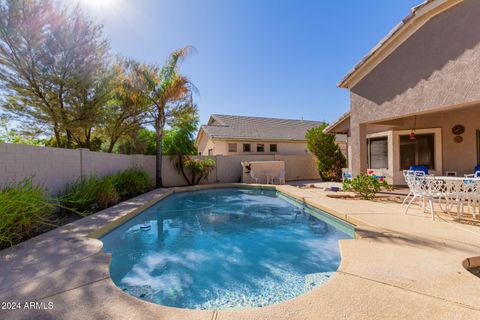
pixel 56 167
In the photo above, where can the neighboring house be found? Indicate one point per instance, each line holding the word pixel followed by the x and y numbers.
pixel 415 98
pixel 234 135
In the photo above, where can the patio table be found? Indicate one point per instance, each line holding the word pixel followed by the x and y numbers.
pixel 458 189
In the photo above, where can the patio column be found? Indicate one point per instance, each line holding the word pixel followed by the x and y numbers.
pixel 359 148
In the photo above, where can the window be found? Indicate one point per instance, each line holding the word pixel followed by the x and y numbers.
pixel 210 152
pixel 417 152
pixel 246 147
pixel 273 148
pixel 378 153
pixel 232 147
pixel 260 147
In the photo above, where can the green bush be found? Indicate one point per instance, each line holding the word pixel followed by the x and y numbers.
pixel 199 169
pixel 330 159
pixel 132 182
pixel 23 208
pixel 80 196
pixel 367 186
pixel 107 194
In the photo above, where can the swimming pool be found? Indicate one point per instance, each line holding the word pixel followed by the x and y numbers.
pixel 225 248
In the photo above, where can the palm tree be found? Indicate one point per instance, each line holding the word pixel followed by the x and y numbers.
pixel 166 90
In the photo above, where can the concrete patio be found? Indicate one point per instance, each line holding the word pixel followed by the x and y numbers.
pixel 398 267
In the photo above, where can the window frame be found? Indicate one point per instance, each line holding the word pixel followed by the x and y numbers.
pixel 232 144
pixel 262 146
pixel 276 147
pixel 369 150
pixel 433 165
pixel 249 147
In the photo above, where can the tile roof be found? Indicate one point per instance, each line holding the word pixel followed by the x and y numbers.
pixel 242 127
pixel 330 128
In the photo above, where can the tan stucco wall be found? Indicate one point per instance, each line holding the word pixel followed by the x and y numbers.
pixel 220 147
pixel 437 67
pixel 204 143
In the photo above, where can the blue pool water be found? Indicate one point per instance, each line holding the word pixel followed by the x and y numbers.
pixel 224 248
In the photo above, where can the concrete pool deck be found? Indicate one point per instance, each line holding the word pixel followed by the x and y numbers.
pixel 399 267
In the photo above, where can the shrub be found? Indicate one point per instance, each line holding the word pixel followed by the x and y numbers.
pixel 80 196
pixel 107 194
pixel 367 186
pixel 199 169
pixel 23 208
pixel 132 182
pixel 330 159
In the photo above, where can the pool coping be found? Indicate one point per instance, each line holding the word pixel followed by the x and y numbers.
pixel 117 215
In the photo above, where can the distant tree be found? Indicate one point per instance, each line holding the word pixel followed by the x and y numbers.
pixel 50 58
pixel 126 109
pixel 330 159
pixel 167 91
pixel 141 142
pixel 9 135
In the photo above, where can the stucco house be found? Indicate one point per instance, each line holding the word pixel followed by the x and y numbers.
pixel 234 135
pixel 415 98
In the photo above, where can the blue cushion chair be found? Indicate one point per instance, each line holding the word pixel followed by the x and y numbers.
pixel 475 174
pixel 424 169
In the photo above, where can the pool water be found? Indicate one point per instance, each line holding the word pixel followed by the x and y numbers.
pixel 224 248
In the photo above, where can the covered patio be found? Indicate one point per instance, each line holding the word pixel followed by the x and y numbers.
pixel 446 141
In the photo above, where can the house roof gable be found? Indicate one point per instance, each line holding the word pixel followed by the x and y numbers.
pixel 257 128
pixel 419 15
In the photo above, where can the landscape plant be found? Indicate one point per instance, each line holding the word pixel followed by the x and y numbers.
pixel 367 186
pixel 24 207
pixel 107 194
pixel 330 159
pixel 167 92
pixel 80 196
pixel 132 182
pixel 199 169
pixel 180 146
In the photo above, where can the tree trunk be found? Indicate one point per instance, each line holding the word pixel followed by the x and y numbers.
pixel 57 136
pixel 159 157
pixel 69 139
pixel 88 135
pixel 182 169
pixel 111 145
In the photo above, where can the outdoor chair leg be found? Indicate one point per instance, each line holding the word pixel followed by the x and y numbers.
pixel 409 203
pixel 430 202
pixel 458 208
pixel 406 198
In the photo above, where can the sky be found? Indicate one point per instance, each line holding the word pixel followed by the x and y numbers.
pixel 270 58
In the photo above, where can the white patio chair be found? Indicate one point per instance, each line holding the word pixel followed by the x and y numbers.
pixel 409 176
pixel 254 178
pixel 280 177
pixel 422 189
pixel 469 196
